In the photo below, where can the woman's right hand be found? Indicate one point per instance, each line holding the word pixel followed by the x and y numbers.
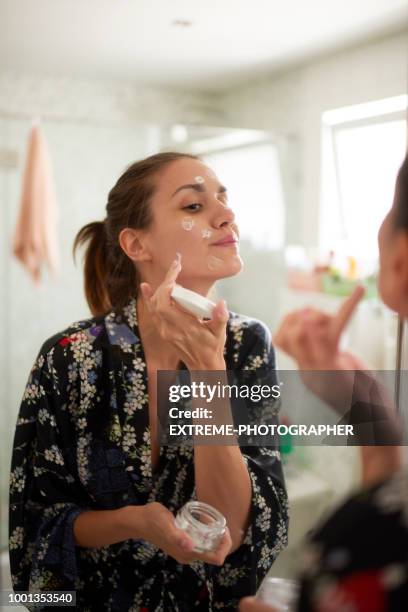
pixel 155 524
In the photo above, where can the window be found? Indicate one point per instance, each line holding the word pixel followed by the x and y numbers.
pixel 361 158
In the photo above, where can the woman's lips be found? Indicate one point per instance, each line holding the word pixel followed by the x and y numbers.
pixel 230 243
pixel 227 241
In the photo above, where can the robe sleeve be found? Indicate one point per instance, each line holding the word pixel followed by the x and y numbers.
pixel 45 496
pixel 267 533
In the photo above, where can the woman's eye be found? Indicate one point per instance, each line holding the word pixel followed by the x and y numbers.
pixel 190 206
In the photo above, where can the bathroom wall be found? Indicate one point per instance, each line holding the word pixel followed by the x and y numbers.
pixel 291 104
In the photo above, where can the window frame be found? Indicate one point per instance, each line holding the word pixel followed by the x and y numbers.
pixel 330 130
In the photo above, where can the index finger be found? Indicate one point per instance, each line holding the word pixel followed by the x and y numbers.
pixel 346 310
pixel 163 291
pixel 173 271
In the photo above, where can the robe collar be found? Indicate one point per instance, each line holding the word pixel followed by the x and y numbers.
pixel 131 399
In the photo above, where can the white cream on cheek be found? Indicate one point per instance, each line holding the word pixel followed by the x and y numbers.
pixel 206 233
pixel 214 263
pixel 187 224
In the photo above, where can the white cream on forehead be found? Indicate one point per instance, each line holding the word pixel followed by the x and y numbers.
pixel 214 263
pixel 187 223
pixel 200 180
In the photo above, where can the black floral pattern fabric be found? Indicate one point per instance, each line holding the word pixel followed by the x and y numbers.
pixel 357 558
pixel 82 442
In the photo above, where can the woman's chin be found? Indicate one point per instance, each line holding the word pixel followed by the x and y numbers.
pixel 231 267
pixel 215 269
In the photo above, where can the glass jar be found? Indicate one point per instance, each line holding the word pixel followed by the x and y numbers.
pixel 280 593
pixel 203 523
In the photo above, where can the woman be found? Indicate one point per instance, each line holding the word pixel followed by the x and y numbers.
pixel 357 559
pixel 92 495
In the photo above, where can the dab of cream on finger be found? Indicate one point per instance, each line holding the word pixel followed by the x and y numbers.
pixel 214 263
pixel 206 233
pixel 187 224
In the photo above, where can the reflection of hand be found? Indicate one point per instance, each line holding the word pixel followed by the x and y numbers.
pixel 200 343
pixel 312 337
pixel 252 604
pixel 158 528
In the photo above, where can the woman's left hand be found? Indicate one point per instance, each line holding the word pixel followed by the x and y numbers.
pixel 200 343
pixel 252 604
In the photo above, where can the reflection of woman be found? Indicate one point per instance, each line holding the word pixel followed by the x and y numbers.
pixel 358 558
pixel 92 495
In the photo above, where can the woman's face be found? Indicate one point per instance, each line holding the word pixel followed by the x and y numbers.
pixel 191 214
pixel 393 273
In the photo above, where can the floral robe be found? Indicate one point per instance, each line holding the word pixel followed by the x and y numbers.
pixel 82 442
pixel 357 558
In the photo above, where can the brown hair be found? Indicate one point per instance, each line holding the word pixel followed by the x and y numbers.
pixel 111 278
pixel 401 197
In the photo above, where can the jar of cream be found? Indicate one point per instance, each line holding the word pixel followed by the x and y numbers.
pixel 280 593
pixel 203 523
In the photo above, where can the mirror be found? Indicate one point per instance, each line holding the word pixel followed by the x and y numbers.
pixel 307 135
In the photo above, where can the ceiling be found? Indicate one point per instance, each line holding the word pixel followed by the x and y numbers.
pixel 228 41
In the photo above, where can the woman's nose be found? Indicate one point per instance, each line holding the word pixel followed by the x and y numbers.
pixel 225 215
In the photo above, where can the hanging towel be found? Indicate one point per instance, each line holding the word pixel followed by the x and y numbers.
pixel 35 235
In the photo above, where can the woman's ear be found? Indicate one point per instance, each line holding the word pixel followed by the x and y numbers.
pixel 133 244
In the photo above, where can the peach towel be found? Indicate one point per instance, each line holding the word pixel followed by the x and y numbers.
pixel 35 235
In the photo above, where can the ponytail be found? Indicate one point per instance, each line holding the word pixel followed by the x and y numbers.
pixel 96 266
